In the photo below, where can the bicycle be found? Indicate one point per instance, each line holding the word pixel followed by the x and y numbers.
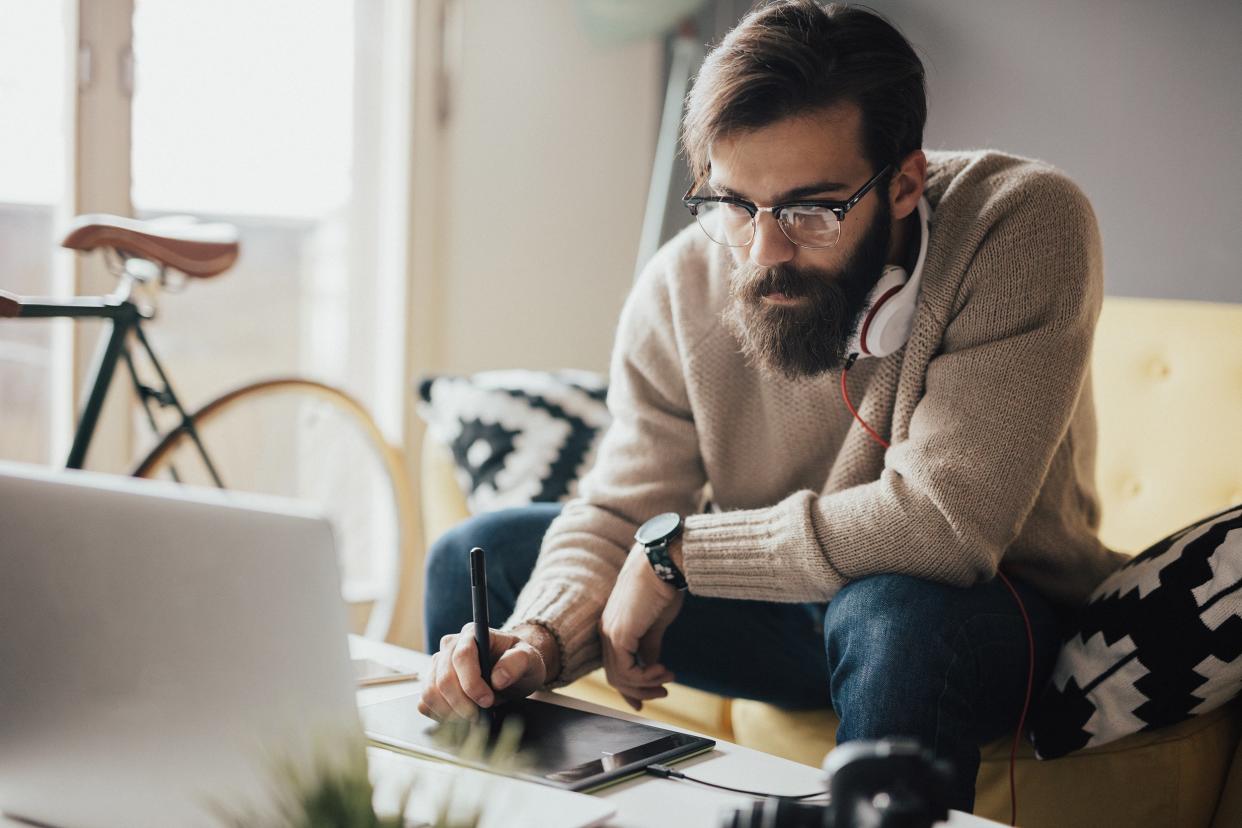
pixel 145 254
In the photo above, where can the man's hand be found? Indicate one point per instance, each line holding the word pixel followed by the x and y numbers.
pixel 455 686
pixel 632 627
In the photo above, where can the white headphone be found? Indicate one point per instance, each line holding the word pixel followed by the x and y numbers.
pixel 889 313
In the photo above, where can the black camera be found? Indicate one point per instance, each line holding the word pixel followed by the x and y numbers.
pixel 775 812
pixel 892 783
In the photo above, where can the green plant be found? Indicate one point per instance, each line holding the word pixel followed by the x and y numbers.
pixel 336 794
pixel 329 794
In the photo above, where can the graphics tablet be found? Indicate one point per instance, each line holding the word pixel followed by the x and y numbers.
pixel 560 746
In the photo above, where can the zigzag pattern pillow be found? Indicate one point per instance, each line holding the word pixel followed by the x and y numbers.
pixel 1159 642
pixel 518 436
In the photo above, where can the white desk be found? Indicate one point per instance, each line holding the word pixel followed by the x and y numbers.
pixel 647 802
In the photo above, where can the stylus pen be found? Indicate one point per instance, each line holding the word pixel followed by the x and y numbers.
pixel 478 599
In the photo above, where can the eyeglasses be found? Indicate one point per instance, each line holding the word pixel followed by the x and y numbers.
pixel 814 223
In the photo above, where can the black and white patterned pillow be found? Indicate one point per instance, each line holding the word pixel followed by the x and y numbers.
pixel 1159 642
pixel 517 436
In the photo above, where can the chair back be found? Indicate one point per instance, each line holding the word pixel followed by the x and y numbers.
pixel 1168 396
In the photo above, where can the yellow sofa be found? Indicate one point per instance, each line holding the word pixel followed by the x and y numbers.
pixel 1168 388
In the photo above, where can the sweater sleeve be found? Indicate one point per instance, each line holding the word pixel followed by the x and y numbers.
pixel 997 401
pixel 648 463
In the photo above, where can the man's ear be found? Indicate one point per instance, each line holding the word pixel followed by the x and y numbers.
pixel 907 184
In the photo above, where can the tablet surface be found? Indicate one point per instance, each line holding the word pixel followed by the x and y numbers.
pixel 560 746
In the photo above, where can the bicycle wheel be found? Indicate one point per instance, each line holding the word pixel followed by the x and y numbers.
pixel 303 439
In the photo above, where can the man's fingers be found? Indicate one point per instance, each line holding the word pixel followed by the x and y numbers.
pixel 654 674
pixel 649 675
pixel 432 702
pixel 469 676
pixel 634 696
pixel 649 648
pixel 613 669
pixel 500 643
pixel 457 701
pixel 623 651
pixel 433 705
pixel 626 644
pixel 643 693
pixel 514 665
pixel 445 681
pixel 649 684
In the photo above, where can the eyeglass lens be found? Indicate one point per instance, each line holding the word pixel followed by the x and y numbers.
pixel 731 225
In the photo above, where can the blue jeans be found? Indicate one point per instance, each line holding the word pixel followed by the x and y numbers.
pixel 893 655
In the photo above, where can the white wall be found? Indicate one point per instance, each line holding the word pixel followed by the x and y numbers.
pixel 547 159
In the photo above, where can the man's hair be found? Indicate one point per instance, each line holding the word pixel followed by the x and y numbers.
pixel 794 57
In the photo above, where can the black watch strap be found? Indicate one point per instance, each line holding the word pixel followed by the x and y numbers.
pixel 663 565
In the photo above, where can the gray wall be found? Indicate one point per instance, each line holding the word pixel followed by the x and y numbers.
pixel 1140 101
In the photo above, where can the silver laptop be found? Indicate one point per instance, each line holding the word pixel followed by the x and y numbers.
pixel 163 650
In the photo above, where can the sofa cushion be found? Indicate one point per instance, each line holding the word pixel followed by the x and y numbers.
pixel 1159 642
pixel 1166 375
pixel 517 436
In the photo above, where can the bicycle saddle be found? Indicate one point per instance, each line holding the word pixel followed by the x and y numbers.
pixel 199 250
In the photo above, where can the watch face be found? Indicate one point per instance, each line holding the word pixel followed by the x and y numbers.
pixel 658 528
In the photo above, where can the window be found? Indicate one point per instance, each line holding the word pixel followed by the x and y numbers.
pixel 289 123
pixel 33 155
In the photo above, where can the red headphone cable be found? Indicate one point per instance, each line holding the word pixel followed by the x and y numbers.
pixel 845 394
pixel 1030 635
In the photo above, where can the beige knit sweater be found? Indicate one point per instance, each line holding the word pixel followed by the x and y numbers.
pixel 988 409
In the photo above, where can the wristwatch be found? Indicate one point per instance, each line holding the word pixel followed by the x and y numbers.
pixel 655 535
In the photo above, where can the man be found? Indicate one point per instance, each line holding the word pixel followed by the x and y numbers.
pixel 837 566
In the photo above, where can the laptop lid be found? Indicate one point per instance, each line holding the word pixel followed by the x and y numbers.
pixel 163 650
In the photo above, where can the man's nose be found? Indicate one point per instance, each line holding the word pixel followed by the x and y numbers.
pixel 770 246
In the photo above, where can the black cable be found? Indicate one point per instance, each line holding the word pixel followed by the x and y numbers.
pixel 665 772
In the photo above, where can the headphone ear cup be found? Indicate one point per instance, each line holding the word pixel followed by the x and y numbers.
pixel 892 319
pixel 886 323
pixel 874 329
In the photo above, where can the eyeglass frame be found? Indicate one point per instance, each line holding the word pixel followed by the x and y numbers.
pixel 837 207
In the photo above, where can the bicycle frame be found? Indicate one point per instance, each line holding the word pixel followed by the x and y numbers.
pixel 125 312
pixel 126 317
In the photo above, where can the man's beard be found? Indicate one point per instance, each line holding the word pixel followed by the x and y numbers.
pixel 809 338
